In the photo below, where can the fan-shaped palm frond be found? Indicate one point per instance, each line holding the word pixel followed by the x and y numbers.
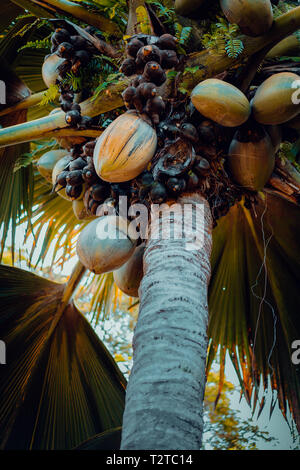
pixel 254 296
pixel 16 193
pixel 15 187
pixel 60 385
pixel 105 441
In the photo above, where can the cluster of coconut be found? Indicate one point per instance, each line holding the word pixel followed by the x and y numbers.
pixel 70 52
pixel 106 244
pixel 73 177
pixel 251 154
pixel 127 147
pixel 148 58
pixel 154 152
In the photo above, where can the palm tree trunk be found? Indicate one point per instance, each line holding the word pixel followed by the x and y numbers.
pixel 166 386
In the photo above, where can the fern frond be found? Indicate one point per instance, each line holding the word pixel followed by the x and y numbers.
pixel 38 44
pixel 185 35
pixel 50 95
pixel 177 29
pixel 165 13
pixel 110 79
pixel 281 8
pixel 222 39
pixel 234 47
pixel 220 45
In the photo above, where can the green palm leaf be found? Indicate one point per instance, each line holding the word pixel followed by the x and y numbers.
pixel 254 298
pixel 60 385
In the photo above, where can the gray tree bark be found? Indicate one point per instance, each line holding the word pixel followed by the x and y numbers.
pixel 166 386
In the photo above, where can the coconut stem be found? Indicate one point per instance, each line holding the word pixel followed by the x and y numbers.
pixel 107 100
pixel 72 133
pixel 70 287
pixel 31 130
pixel 83 14
pixel 250 70
pixel 28 102
pixel 73 281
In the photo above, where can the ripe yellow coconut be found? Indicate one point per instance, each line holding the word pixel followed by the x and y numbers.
pixel 125 148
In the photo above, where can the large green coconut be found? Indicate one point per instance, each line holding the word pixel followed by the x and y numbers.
pixel 221 102
pixel 106 243
pixel 254 17
pixel 277 99
pixel 48 161
pixel 287 47
pixel 251 157
pixel 128 277
pixel 50 71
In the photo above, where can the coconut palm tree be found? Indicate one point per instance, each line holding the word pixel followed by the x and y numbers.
pixel 236 296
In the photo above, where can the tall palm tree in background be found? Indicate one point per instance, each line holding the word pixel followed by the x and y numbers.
pixel 237 296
